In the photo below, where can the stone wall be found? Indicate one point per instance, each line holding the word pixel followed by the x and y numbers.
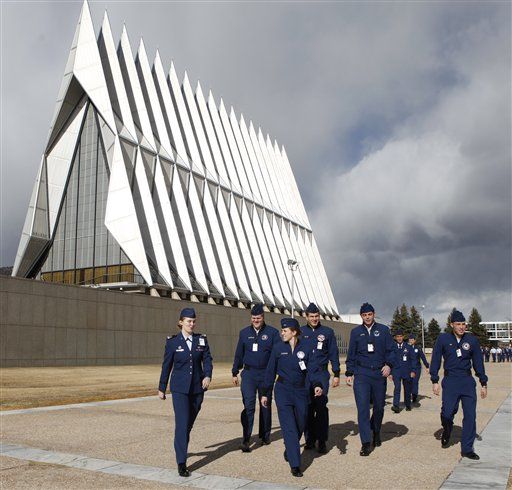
pixel 45 324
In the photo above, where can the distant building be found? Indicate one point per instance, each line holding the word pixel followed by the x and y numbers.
pixel 148 184
pixel 498 331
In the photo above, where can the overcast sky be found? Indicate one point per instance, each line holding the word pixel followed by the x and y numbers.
pixel 395 117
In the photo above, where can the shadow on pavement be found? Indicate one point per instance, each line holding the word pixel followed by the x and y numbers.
pixel 454 438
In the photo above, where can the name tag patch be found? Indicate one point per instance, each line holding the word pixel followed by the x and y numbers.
pixel 371 348
pixel 255 347
pixel 459 353
pixel 319 345
pixel 201 341
pixel 302 365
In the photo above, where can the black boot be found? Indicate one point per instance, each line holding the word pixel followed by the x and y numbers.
pixel 376 439
pixel 395 409
pixel 245 447
pixel 296 471
pixel 414 398
pixel 366 449
pixel 408 409
pixel 471 455
pixel 183 470
pixel 447 431
pixel 265 441
pixel 322 448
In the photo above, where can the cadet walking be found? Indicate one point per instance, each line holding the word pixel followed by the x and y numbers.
pixel 290 360
pixel 370 357
pixel 403 372
pixel 255 344
pixel 188 361
pixel 325 349
pixel 419 358
pixel 460 351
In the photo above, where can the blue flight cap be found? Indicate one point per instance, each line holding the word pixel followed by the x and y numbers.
pixel 289 323
pixel 312 308
pixel 257 309
pixel 366 308
pixel 399 332
pixel 412 336
pixel 188 313
pixel 457 317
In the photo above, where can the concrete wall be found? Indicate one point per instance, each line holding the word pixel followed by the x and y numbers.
pixel 44 324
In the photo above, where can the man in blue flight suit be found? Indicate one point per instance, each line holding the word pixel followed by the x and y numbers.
pixel 487 353
pixel 460 350
pixel 325 349
pixel 255 344
pixel 370 357
pixel 420 358
pixel 403 372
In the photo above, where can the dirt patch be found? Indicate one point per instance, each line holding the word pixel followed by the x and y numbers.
pixel 41 387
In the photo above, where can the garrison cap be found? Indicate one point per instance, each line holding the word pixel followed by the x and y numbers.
pixel 289 323
pixel 411 336
pixel 257 309
pixel 188 313
pixel 312 308
pixel 457 317
pixel 399 332
pixel 366 308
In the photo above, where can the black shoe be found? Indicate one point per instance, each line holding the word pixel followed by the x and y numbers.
pixel 322 448
pixel 183 470
pixel 408 409
pixel 414 398
pixel 309 445
pixel 265 441
pixel 445 439
pixel 376 439
pixel 366 449
pixel 395 409
pixel 471 455
pixel 296 472
pixel 245 447
pixel 284 456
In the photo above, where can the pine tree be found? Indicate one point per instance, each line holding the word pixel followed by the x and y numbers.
pixel 448 327
pixel 400 320
pixel 476 329
pixel 415 322
pixel 432 333
pixel 396 320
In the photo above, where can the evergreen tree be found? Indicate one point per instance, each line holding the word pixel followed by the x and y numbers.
pixel 415 322
pixel 476 329
pixel 448 327
pixel 400 320
pixel 433 332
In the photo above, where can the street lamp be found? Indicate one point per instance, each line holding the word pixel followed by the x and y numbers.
pixel 422 328
pixel 293 265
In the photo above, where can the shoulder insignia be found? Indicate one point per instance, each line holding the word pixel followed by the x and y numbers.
pixel 171 337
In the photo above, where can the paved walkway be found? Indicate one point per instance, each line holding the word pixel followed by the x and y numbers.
pixel 128 444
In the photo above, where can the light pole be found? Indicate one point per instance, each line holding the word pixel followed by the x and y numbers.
pixel 422 328
pixel 293 265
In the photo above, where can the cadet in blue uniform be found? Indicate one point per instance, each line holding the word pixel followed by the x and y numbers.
pixel 459 350
pixel 403 372
pixel 370 357
pixel 420 358
pixel 325 349
pixel 290 361
pixel 188 361
pixel 255 344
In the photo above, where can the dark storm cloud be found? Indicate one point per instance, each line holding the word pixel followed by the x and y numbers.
pixel 398 112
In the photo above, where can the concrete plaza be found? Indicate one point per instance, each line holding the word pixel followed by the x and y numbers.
pixel 128 444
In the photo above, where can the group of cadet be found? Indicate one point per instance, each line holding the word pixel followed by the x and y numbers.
pixel 292 366
pixel 498 354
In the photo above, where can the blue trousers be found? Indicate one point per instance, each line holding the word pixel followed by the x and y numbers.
pixel 368 388
pixel 416 381
pixel 317 427
pixel 460 389
pixel 252 385
pixel 186 408
pixel 407 382
pixel 292 408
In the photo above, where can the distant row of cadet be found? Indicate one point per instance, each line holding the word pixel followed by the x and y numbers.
pixel 292 366
pixel 498 354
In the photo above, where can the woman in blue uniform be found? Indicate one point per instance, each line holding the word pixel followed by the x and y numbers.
pixel 289 360
pixel 188 361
